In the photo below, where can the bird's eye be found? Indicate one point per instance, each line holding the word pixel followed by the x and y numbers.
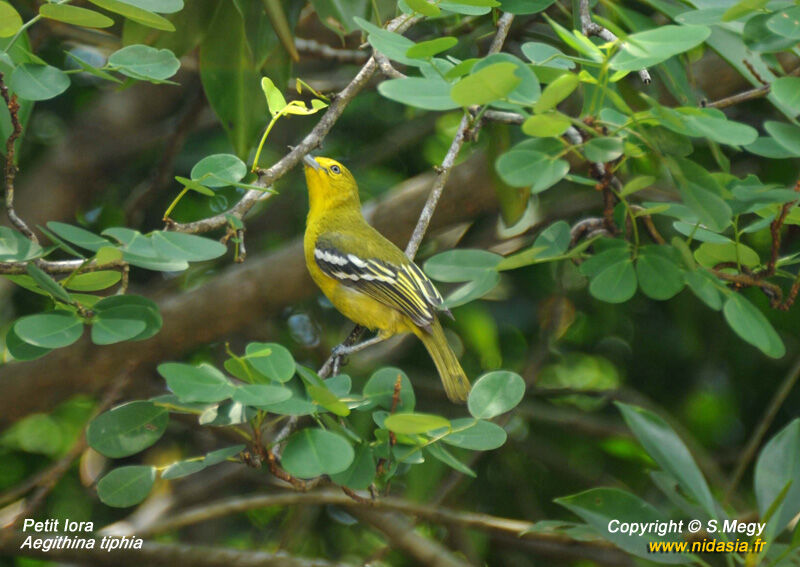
pixel 336 169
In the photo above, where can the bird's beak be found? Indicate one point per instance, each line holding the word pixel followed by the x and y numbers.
pixel 311 162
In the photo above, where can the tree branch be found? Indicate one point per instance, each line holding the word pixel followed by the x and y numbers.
pixel 313 48
pixel 503 26
pixel 266 177
pixel 436 514
pixel 10 166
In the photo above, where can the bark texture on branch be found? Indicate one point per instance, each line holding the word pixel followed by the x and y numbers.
pixel 242 293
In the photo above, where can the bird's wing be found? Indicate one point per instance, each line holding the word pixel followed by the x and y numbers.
pixel 397 283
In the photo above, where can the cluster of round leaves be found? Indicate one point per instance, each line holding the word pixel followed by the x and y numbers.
pixel 112 319
pixel 266 380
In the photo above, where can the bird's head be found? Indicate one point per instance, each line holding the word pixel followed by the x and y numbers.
pixel 329 182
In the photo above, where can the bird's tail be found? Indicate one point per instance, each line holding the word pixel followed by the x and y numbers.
pixel 456 384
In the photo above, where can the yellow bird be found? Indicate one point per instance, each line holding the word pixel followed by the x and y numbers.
pixel 366 277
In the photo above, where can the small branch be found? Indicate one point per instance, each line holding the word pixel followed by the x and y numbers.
pixel 590 28
pixel 313 48
pixel 11 168
pixel 775 231
pixel 766 420
pixel 267 177
pixel 59 267
pixel 386 66
pixel 732 100
pixel 503 26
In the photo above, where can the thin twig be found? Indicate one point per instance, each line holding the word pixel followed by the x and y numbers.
pixel 758 92
pixel 10 167
pixel 590 28
pixel 386 66
pixel 313 48
pixel 503 26
pixel 766 420
pixel 267 177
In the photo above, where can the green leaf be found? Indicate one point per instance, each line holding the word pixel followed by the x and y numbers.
pixel 602 507
pixel 219 170
pixel 428 94
pixel 758 37
pixel 658 272
pixel 648 48
pixel 556 91
pixel 10 20
pixel 50 330
pixel 117 324
pixel 427 49
pixel 445 456
pixel 379 389
pixel 709 254
pixel 466 7
pixel 143 309
pixel 751 325
pixel 525 93
pixel 603 149
pixel 78 236
pixel 189 247
pixel 160 6
pixel 489 84
pixel 272 360
pixel 48 284
pixel 221 455
pixel 94 281
pixel 145 62
pixel 667 449
pixel 126 486
pixel 323 397
pixel 461 265
pixel 524 7
pixel 32 81
pixel 495 393
pixel 530 168
pixel 74 15
pixel 474 434
pixel 779 464
pixel 15 247
pixel 182 468
pixel 787 135
pixel 424 8
pixel 21 350
pixel 554 240
pixel 696 187
pixel 127 429
pixel 543 125
pixel 704 286
pixel 786 23
pixel 313 452
pixel 742 8
pixel 615 281
pixel 412 423
pixel 361 472
pixel 275 101
pixel 546 56
pixel 226 413
pixel 261 395
pixel 135 14
pixel 202 383
pixel 391 44
pixel 472 290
